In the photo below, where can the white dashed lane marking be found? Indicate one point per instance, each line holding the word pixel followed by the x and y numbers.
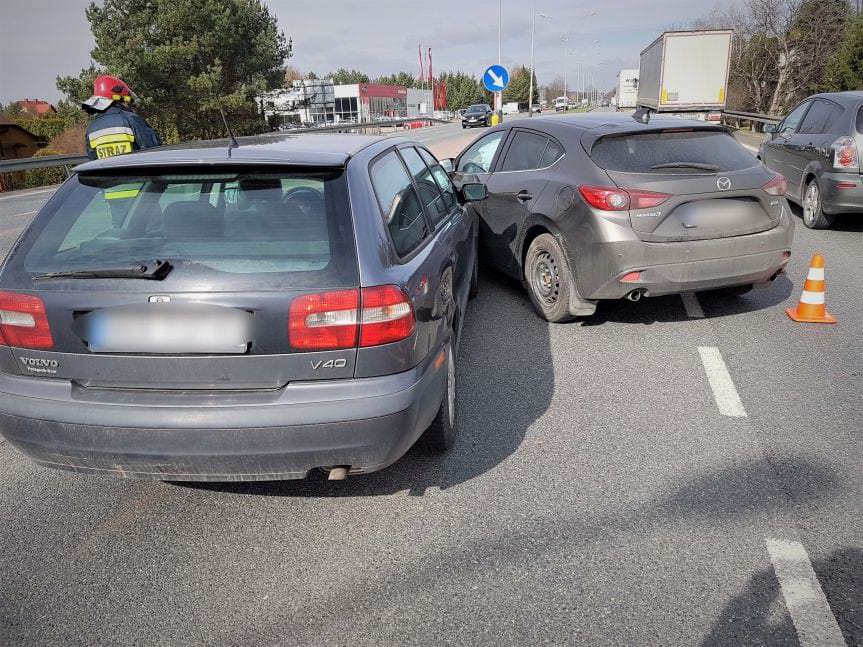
pixel 804 599
pixel 724 391
pixel 692 305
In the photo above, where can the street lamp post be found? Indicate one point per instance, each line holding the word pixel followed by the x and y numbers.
pixel 564 41
pixel 498 96
pixel 532 40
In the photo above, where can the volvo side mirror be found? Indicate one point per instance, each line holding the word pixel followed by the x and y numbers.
pixel 448 164
pixel 771 128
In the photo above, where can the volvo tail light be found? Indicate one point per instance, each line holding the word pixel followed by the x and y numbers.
pixel 777 186
pixel 615 199
pixel 387 316
pixel 325 321
pixel 349 318
pixel 23 321
pixel 845 156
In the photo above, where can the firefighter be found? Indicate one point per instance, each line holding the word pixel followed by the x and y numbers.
pixel 116 129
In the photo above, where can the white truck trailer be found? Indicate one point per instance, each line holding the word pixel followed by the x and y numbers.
pixel 686 73
pixel 627 89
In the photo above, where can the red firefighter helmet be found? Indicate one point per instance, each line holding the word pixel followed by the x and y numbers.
pixel 106 90
pixel 112 88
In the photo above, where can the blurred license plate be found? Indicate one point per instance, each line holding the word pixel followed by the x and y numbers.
pixel 166 329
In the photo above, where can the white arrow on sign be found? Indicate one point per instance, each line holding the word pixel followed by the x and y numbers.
pixel 496 80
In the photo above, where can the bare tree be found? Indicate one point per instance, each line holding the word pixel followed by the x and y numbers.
pixel 554 89
pixel 292 73
pixel 780 49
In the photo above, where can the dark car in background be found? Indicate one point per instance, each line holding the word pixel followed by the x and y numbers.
pixel 476 115
pixel 604 207
pixel 239 313
pixel 817 147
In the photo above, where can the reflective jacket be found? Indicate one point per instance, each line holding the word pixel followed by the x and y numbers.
pixel 117 131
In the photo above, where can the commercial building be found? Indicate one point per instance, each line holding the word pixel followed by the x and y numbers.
pixel 308 102
pixel 419 102
pixel 312 102
pixel 361 102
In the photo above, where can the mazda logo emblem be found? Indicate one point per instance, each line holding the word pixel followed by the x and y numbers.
pixel 723 183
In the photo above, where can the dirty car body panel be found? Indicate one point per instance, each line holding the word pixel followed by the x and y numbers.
pixel 263 364
pixel 712 228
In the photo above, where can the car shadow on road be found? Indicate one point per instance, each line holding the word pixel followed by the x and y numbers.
pixel 772 295
pixel 505 382
pixel 668 309
pixel 843 222
pixel 555 540
pixel 750 487
pixel 758 615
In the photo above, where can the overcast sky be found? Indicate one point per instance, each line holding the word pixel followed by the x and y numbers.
pixel 40 39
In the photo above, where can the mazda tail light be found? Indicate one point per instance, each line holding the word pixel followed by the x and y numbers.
pixel 23 321
pixel 777 186
pixel 607 198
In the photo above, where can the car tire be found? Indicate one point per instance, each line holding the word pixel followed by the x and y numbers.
pixel 473 291
pixel 441 434
pixel 813 214
pixel 548 279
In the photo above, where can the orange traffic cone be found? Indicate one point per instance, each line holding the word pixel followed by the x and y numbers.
pixel 811 308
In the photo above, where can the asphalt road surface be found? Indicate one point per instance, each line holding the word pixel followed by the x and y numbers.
pixel 647 476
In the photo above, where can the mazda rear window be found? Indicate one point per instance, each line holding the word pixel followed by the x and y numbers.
pixel 690 151
pixel 289 227
pixel 860 120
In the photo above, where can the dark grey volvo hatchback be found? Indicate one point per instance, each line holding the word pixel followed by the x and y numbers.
pixel 210 312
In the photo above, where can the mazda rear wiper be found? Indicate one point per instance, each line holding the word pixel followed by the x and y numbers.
pixel 152 270
pixel 696 165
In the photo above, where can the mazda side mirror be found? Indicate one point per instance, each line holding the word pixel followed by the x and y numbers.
pixel 474 192
pixel 448 164
pixel 771 129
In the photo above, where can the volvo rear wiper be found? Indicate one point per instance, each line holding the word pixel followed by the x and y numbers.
pixel 696 165
pixel 152 270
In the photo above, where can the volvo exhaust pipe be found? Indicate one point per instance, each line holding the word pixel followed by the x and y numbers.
pixel 339 473
pixel 635 295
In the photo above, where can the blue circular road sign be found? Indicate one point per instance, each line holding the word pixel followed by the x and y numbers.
pixel 496 78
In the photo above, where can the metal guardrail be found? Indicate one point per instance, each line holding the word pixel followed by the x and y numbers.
pixel 53 161
pixel 754 117
pixel 365 125
pixel 46 161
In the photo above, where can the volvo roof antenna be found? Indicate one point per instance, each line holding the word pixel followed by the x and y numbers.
pixel 642 115
pixel 232 141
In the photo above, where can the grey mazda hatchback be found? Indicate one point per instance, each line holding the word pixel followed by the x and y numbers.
pixel 604 207
pixel 214 312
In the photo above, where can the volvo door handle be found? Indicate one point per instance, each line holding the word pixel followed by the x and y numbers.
pixel 524 196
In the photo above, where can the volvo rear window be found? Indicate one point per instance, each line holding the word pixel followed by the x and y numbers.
pixel 684 152
pixel 860 120
pixel 291 227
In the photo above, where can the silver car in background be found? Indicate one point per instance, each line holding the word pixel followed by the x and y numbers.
pixel 817 148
